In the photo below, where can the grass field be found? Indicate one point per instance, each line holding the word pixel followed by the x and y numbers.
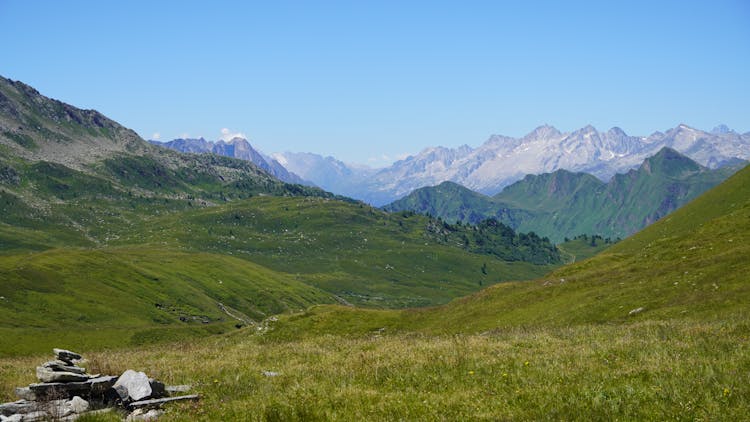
pixel 541 350
pixel 655 327
pixel 647 370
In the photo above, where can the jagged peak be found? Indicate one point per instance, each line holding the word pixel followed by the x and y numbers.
pixel 683 126
pixel 721 129
pixel 616 131
pixel 586 130
pixel 543 131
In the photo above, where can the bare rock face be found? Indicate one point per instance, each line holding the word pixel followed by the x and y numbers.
pixel 135 383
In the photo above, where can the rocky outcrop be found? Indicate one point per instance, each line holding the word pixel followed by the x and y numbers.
pixel 67 392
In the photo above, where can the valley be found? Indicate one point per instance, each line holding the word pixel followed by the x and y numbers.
pixel 208 270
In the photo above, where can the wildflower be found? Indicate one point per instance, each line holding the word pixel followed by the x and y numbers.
pixel 505 374
pixel 526 363
pixel 726 392
pixel 471 372
pixel 215 381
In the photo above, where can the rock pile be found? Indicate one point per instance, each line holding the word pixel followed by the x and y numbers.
pixel 66 391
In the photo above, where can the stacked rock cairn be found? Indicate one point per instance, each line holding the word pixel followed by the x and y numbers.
pixel 66 391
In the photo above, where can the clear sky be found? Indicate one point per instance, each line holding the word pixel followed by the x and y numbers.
pixel 368 81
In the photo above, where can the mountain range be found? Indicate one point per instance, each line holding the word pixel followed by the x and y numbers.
pixel 502 160
pixel 564 204
pixel 272 297
pixel 237 148
pixel 132 241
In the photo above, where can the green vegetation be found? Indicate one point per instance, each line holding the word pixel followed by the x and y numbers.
pixel 261 256
pixel 568 346
pixel 646 370
pixel 116 297
pixel 583 246
pixel 563 204
pixel 116 258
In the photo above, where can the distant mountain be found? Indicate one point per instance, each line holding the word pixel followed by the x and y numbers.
pixel 331 174
pixel 237 148
pixel 115 225
pixel 564 204
pixel 502 160
pixel 52 153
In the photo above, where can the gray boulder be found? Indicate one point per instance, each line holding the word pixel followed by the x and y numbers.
pixel 136 384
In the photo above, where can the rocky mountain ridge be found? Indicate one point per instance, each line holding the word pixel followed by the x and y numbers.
pixel 502 160
pixel 236 147
pixel 565 204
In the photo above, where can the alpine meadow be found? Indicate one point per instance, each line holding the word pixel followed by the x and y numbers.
pixel 354 259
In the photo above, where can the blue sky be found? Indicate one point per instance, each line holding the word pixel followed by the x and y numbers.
pixel 370 81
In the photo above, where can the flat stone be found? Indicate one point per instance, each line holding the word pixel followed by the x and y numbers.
pixel 39 415
pixel 58 365
pixel 94 387
pixel 11 418
pixel 136 384
pixel 154 403
pixel 48 375
pixel 66 355
pixel 20 406
pixel 25 393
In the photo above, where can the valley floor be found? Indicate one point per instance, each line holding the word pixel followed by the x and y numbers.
pixel 646 370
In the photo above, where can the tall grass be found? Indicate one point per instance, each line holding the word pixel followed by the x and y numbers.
pixel 649 370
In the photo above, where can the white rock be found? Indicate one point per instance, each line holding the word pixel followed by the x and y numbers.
pixel 136 383
pixel 77 405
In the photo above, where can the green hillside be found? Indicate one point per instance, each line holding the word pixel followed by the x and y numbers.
pixel 205 271
pixel 565 204
pixel 98 228
pixel 689 265
pixel 121 297
pixel 544 350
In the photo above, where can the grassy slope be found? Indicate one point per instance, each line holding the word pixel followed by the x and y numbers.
pixel 581 248
pixel 113 297
pixel 692 264
pixel 361 254
pixel 541 350
pixel 95 266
